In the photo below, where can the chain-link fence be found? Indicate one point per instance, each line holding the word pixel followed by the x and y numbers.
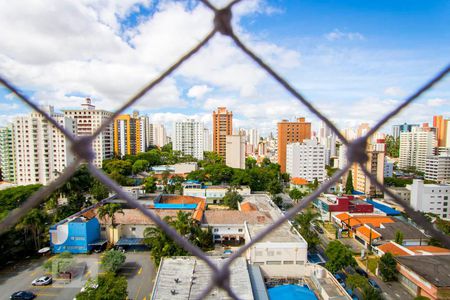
pixel 356 153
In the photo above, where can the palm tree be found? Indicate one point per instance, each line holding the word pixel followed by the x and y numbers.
pixel 110 210
pixel 303 222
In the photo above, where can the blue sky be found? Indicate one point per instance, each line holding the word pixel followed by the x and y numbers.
pixel 353 59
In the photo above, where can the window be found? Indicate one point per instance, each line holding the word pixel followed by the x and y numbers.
pixel 240 230
pixel 133 229
pixel 216 230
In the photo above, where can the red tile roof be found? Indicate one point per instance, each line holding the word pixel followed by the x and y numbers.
pixel 356 220
pixel 429 249
pixel 299 181
pixel 393 249
pixel 367 234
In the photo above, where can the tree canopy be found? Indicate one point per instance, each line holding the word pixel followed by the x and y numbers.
pixel 107 287
pixel 349 183
pixel 231 199
pixel 388 267
pixel 339 256
pixel 112 260
pixel 303 222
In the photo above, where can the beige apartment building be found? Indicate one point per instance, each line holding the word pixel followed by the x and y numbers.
pixel 235 151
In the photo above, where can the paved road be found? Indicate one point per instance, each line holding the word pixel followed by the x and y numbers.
pixel 138 269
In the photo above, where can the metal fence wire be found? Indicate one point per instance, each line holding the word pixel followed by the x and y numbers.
pixel 356 153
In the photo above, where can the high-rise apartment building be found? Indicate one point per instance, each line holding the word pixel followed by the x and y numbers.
pixel 437 168
pixel 430 198
pixel 207 140
pixel 7 155
pixel 442 127
pixel 397 129
pixel 306 160
pixel 235 151
pixel 88 119
pixel 188 138
pixel 375 166
pixel 415 147
pixel 253 137
pixel 159 135
pixel 131 134
pixel 328 138
pixel 42 152
pixel 222 126
pixel 291 132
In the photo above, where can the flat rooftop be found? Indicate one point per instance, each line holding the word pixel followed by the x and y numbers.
pixel 185 277
pixel 283 234
pixel 433 268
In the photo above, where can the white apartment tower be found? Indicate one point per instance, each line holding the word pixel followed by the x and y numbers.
pixel 159 135
pixel 437 168
pixel 306 160
pixel 253 137
pixel 235 151
pixel 431 198
pixel 7 155
pixel 42 152
pixel 189 138
pixel 88 119
pixel 207 140
pixel 415 147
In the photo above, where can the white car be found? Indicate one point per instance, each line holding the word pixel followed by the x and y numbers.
pixel 44 280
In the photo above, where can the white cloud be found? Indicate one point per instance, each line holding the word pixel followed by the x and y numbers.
pixel 198 91
pixel 394 91
pixel 337 34
pixel 438 102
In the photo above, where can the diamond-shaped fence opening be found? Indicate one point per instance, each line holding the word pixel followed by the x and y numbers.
pixel 356 153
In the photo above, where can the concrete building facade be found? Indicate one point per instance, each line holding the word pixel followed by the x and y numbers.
pixel 306 160
pixel 291 132
pixel 189 138
pixel 7 155
pixel 415 147
pixel 222 126
pixel 430 198
pixel 87 120
pixel 437 168
pixel 235 151
pixel 42 152
pixel 397 129
pixel 159 135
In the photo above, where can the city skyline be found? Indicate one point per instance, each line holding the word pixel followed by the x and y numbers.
pixel 337 63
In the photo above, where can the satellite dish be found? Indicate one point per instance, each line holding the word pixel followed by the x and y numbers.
pixel 44 250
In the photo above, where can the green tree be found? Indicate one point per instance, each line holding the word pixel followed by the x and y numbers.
pixel 122 167
pixel 99 191
pixel 112 260
pixel 250 163
pixel 278 201
pixel 274 187
pixel 399 237
pixel 34 222
pixel 421 298
pixel 107 287
pixel 150 184
pixel 369 293
pixel 211 158
pixel 349 183
pixel 59 263
pixel 296 194
pixel 339 256
pixel 140 165
pixel 330 170
pixel 161 245
pixel 392 146
pixel 231 199
pixel 356 281
pixel 388 267
pixel 110 209
pixel 303 222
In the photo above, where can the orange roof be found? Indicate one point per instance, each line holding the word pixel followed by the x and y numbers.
pixel 199 210
pixel 429 249
pixel 367 234
pixel 247 206
pixel 393 249
pixel 299 181
pixel 376 221
pixel 175 199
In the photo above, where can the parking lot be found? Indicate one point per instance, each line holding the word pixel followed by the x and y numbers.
pixel 138 269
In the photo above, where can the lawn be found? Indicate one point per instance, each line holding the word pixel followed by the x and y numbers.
pixel 329 228
pixel 373 263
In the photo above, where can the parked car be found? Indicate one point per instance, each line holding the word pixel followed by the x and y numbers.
pixel 374 285
pixel 318 229
pixel 340 277
pixel 361 272
pixel 23 295
pixel 227 251
pixel 44 280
